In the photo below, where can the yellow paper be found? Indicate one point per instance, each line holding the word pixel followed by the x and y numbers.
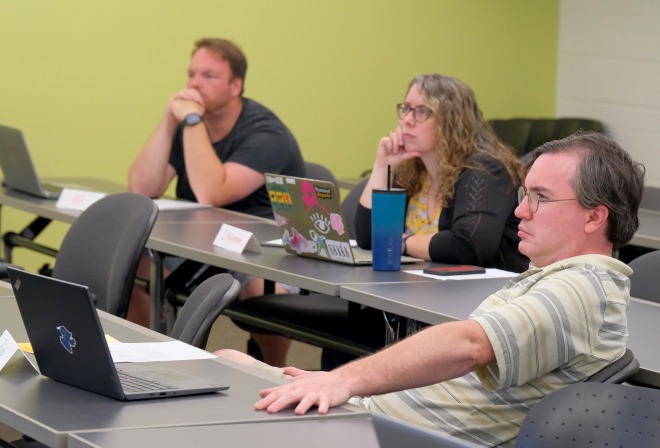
pixel 27 347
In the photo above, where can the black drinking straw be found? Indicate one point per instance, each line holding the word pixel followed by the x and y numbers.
pixel 388 177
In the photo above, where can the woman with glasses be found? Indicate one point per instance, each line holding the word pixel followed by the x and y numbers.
pixel 461 184
pixel 460 179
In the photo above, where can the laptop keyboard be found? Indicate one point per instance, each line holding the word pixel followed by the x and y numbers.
pixel 131 383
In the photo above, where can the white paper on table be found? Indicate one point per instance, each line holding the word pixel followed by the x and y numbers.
pixel 165 205
pixel 490 273
pixel 156 351
pixel 77 199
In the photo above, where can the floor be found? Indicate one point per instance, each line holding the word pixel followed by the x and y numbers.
pixel 227 335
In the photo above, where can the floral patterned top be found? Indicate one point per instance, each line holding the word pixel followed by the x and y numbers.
pixel 418 221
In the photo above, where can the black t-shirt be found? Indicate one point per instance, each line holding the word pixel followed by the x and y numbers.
pixel 258 140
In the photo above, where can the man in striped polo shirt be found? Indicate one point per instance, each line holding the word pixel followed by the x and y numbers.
pixel 556 324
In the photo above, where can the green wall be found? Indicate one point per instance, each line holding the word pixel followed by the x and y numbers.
pixel 87 81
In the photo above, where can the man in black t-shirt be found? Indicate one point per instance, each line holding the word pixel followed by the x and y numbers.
pixel 260 142
pixel 216 142
pixel 218 145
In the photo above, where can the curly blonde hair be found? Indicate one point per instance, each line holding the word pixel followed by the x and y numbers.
pixel 461 134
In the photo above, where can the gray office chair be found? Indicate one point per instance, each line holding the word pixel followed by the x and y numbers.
pixel 320 172
pixel 202 308
pixel 349 206
pixel 619 371
pixel 103 246
pixel 645 279
pixel 593 414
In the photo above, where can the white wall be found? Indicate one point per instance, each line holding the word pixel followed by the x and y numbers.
pixel 609 69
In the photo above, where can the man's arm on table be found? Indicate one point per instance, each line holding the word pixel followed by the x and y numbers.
pixel 436 354
pixel 213 181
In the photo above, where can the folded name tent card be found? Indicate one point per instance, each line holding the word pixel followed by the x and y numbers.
pixel 9 347
pixel 236 240
pixel 77 199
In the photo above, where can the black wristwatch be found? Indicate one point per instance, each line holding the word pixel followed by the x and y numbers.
pixel 404 246
pixel 192 119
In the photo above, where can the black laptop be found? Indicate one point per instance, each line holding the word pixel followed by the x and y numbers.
pixel 70 346
pixel 18 169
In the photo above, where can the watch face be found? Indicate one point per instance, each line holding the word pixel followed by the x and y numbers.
pixel 193 119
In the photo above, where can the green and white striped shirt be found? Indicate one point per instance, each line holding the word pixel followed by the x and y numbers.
pixel 549 327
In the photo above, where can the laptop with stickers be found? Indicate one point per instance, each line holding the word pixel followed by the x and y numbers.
pixel 17 167
pixel 309 218
pixel 70 346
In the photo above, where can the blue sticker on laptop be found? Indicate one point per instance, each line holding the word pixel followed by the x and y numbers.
pixel 66 339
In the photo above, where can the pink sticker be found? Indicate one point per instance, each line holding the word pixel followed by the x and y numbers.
pixel 337 223
pixel 309 196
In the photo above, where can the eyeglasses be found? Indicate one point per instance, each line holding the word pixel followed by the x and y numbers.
pixel 420 113
pixel 533 199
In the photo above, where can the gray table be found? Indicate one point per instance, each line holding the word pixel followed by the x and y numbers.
pixel 194 241
pixel 46 208
pixel 348 433
pixel 443 301
pixel 357 432
pixel 47 410
pixel 6 291
pixel 429 300
pixel 190 234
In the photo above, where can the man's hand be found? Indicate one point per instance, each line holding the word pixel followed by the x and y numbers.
pixel 306 389
pixel 186 102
